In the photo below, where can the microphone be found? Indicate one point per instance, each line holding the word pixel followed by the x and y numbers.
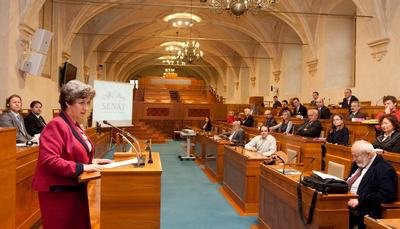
pixel 306 165
pixel 124 134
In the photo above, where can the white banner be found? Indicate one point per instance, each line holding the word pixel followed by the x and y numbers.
pixel 113 102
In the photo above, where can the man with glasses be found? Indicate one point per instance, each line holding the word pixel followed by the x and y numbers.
pixel 373 179
pixel 312 127
pixel 263 143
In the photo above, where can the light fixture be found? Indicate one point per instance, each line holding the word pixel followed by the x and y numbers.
pixel 172 46
pixel 181 20
pixel 191 52
pixel 239 7
pixel 169 73
pixel 171 60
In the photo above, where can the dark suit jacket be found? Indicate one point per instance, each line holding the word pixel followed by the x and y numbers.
pixel 340 137
pixel 324 113
pixel 33 124
pixel 276 104
pixel 391 144
pixel 302 111
pixel 346 104
pixel 357 115
pixel 248 121
pixel 238 136
pixel 270 122
pixel 8 119
pixel 310 129
pixel 379 185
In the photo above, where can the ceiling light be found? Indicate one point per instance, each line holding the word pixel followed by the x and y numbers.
pixel 181 20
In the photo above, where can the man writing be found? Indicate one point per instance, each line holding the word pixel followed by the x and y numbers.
pixel 263 143
pixel 373 179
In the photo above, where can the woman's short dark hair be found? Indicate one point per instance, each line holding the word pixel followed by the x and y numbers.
pixel 11 97
pixel 34 102
pixel 392 119
pixel 74 90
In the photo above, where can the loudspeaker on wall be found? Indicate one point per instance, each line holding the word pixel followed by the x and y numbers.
pixel 41 41
pixel 34 64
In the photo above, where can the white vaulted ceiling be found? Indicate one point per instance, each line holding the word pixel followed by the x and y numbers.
pixel 126 35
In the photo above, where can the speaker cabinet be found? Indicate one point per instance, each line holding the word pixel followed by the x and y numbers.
pixel 34 64
pixel 41 41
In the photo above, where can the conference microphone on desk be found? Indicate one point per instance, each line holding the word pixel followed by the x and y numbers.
pixel 125 135
pixel 288 163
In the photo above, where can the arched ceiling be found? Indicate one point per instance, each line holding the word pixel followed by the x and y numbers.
pixel 126 34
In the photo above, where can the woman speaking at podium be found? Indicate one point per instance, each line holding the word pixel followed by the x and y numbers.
pixel 64 153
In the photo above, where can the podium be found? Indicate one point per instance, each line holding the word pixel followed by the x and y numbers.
pixel 130 196
pixel 188 134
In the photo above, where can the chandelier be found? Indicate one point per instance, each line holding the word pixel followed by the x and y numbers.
pixel 173 60
pixel 239 7
pixel 182 20
pixel 190 52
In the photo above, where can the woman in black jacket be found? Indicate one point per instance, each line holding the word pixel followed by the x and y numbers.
pixel 338 134
pixel 389 140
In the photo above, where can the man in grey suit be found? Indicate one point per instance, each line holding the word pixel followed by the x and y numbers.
pixel 236 136
pixel 12 118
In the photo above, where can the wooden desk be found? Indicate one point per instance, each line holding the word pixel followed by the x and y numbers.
pixel 278 203
pixel 381 223
pixel 241 177
pixel 131 196
pixel 199 148
pixel 27 203
pixel 214 158
pixel 310 149
pixel 7 177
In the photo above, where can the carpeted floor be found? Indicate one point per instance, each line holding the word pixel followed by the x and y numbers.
pixel 189 199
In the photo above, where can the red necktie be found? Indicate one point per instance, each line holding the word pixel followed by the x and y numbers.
pixel 352 179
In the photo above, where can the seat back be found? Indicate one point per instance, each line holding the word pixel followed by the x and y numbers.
pixel 336 169
pixel 372 223
pixel 293 153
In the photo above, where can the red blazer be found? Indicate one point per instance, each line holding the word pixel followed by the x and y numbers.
pixel 61 154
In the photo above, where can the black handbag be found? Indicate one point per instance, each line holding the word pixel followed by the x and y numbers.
pixel 326 186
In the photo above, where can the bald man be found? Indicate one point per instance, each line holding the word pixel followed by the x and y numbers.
pixel 373 179
pixel 312 127
pixel 323 111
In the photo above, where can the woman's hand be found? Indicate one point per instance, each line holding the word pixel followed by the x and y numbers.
pixel 100 161
pixel 91 168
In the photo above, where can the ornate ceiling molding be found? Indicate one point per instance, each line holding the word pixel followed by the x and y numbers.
pixel 277 75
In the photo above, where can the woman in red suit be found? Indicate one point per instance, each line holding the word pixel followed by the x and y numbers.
pixel 64 153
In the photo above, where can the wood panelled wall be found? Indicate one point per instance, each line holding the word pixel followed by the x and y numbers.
pixel 168 117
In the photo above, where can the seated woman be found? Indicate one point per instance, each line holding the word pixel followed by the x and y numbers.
pixel 231 117
pixel 285 126
pixel 389 140
pixel 339 134
pixel 207 125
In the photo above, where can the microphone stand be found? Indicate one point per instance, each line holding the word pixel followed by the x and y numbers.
pixel 139 156
pixel 288 161
pixel 148 147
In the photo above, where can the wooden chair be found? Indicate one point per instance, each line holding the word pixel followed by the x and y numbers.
pixel 293 153
pixel 336 169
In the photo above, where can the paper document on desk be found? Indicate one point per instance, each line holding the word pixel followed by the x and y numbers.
pixel 119 163
pixel 325 175
pixel 290 171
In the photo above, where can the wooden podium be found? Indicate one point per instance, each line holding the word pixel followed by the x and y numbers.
pixel 278 203
pixel 130 196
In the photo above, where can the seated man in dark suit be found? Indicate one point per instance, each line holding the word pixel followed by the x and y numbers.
pixel 315 96
pixel 34 123
pixel 348 98
pixel 355 113
pixel 276 103
pixel 323 111
pixel 236 136
pixel 248 120
pixel 373 179
pixel 299 109
pixel 312 127
pixel 269 119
